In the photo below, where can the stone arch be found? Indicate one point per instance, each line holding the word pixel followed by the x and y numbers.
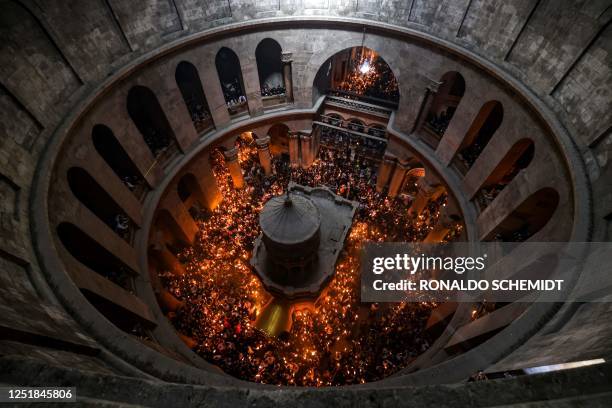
pixel 443 105
pixel 232 84
pixel 329 72
pixel 87 190
pixel 527 218
pixel 189 83
pixel 149 117
pixel 270 67
pixel 484 126
pixel 171 232
pixel 94 256
pixel 113 153
pixel 279 139
pixel 356 124
pixel 516 159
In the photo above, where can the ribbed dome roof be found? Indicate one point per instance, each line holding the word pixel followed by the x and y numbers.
pixel 289 219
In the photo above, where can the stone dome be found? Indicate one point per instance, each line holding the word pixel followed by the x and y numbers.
pixel 289 219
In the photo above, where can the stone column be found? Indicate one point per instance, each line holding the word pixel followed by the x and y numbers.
pixel 294 149
pixel 430 93
pixel 166 259
pixel 263 151
pixel 384 172
pixel 286 59
pixel 428 190
pixel 397 180
pixel 168 301
pixel 206 179
pixel 443 226
pixel 231 160
pixel 307 153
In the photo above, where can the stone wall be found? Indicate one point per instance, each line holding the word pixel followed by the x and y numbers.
pixel 55 57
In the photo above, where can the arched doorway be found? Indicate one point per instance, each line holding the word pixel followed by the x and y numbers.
pixel 270 69
pixel 232 84
pixel 442 107
pixel 188 81
pixel 113 153
pixel 358 73
pixel 149 117
pixel 484 126
pixel 516 159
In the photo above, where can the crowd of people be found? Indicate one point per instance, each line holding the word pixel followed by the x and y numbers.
pixel 356 146
pixel 200 115
pixel 439 123
pixel 267 90
pixel 157 141
pixel 235 100
pixel 135 184
pixel 377 82
pixel 342 341
pixel 487 194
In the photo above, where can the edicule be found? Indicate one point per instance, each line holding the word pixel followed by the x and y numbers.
pixel 303 233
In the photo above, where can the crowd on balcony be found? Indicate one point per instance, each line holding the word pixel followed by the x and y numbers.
pixel 352 144
pixel 439 122
pixel 200 115
pixel 267 90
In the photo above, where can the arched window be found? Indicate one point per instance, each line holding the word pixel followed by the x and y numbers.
pixel 516 159
pixel 528 218
pixel 356 125
pixel 150 119
pixel 94 256
pixel 230 75
pixel 487 121
pixel 188 81
pixel 444 103
pixel 270 70
pixel 411 180
pixel 109 148
pixel 377 130
pixel 87 190
pixel 333 119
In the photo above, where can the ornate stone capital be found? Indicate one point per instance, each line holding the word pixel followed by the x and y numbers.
pixel 286 57
pixel 231 154
pixel 262 142
pixel 432 85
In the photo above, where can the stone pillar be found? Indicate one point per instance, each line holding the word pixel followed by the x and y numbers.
pixel 384 172
pixel 442 227
pixel 397 180
pixel 167 259
pixel 286 59
pixel 231 160
pixel 168 301
pixel 294 149
pixel 307 150
pixel 430 93
pixel 428 190
pixel 263 151
pixel 206 179
pixel 316 138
